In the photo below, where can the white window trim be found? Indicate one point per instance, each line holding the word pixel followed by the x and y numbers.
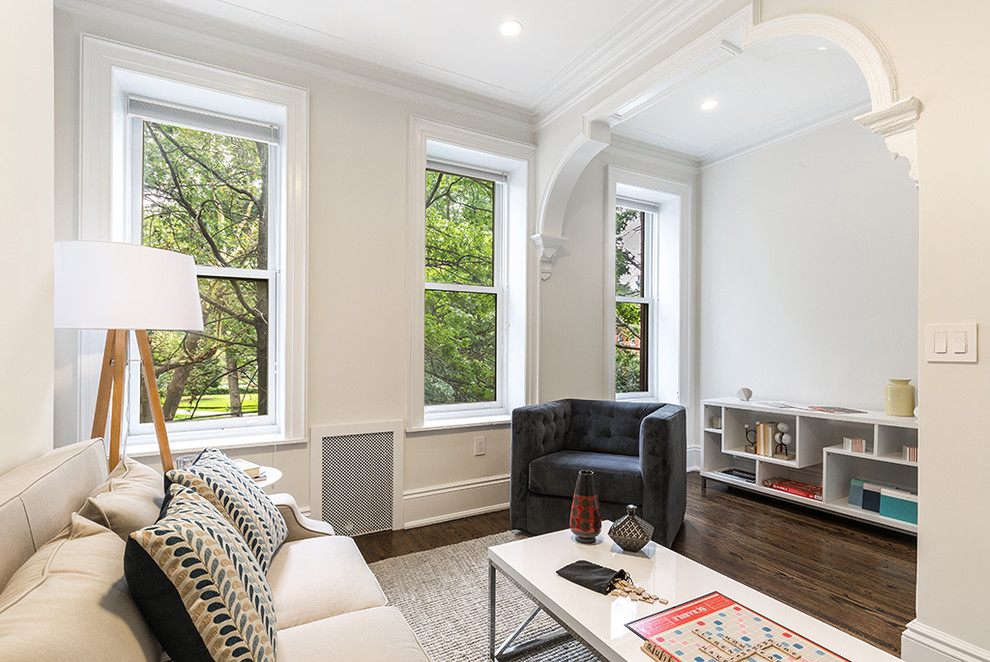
pixel 650 285
pixel 669 343
pixel 435 141
pixel 111 70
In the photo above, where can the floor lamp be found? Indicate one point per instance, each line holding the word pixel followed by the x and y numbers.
pixel 125 287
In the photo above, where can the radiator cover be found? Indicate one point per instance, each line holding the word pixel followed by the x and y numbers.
pixel 357 481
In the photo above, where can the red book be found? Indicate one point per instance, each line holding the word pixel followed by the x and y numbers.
pixel 795 487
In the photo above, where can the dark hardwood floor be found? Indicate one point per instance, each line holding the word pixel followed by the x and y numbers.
pixel 857 577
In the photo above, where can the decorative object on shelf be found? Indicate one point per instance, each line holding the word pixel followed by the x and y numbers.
pixel 716 422
pixel 744 394
pixel 899 398
pixel 750 441
pixel 631 532
pixel 782 439
pixel 586 519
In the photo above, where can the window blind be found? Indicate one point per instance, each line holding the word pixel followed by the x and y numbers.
pixel 197 119
pixel 467 171
pixel 638 205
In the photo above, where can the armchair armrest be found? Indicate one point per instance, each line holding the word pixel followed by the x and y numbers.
pixel 663 458
pixel 537 430
pixel 298 524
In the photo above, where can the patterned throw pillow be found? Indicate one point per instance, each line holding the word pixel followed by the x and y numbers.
pixel 234 493
pixel 199 586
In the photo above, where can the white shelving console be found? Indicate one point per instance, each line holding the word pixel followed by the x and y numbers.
pixel 818 455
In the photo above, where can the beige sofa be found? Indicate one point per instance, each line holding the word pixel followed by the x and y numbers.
pixel 327 602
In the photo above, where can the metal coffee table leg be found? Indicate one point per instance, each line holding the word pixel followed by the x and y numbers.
pixel 507 649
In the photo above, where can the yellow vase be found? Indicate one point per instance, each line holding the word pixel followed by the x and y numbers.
pixel 899 400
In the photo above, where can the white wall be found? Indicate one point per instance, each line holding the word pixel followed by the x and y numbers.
pixel 358 254
pixel 26 184
pixel 809 271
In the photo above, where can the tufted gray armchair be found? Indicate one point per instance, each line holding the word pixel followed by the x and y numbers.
pixel 638 452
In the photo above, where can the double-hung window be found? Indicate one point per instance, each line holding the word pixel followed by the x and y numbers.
pixel 472 277
pixel 212 164
pixel 464 291
pixel 204 185
pixel 647 311
pixel 635 294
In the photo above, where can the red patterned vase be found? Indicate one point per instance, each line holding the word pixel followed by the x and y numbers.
pixel 586 518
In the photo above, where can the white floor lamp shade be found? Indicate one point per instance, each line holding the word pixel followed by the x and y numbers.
pixel 121 287
pixel 106 285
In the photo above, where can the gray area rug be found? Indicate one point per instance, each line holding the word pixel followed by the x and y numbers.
pixel 443 593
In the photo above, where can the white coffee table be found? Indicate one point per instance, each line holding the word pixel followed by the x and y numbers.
pixel 599 621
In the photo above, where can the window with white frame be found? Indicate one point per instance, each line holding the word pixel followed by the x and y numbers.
pixel 635 293
pixel 199 161
pixel 464 290
pixel 647 307
pixel 203 186
pixel 471 283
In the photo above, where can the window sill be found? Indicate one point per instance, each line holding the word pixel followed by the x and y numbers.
pixel 149 449
pixel 636 397
pixel 466 422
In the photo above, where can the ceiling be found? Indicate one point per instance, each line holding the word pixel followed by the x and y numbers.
pixel 770 91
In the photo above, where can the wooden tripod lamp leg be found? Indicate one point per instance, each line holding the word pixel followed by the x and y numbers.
pixel 103 394
pixel 155 402
pixel 117 401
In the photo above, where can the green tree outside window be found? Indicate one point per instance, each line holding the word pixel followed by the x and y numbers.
pixel 206 195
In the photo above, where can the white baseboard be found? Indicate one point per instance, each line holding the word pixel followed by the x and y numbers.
pixel 694 458
pixel 923 643
pixel 442 503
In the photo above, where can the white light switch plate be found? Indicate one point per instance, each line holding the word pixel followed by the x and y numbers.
pixel 951 343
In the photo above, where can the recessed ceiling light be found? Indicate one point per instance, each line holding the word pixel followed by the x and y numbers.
pixel 510 28
pixel 823 48
pixel 708 104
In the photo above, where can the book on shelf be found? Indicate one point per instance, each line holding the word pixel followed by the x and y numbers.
pixel 794 487
pixel 739 474
pixel 854 444
pixel 250 468
pixel 910 453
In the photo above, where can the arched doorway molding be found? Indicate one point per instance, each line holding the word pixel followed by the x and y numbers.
pixel 891 117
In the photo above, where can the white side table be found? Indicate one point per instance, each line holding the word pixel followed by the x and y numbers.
pixel 271 476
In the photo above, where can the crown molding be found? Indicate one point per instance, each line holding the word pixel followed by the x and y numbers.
pixel 629 146
pixel 791 125
pixel 242 42
pixel 623 51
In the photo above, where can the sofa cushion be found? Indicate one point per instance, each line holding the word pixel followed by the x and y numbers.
pixel 380 634
pixel 199 586
pixel 235 494
pixel 69 601
pixel 129 499
pixel 37 497
pixel 321 577
pixel 618 478
pixel 605 426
